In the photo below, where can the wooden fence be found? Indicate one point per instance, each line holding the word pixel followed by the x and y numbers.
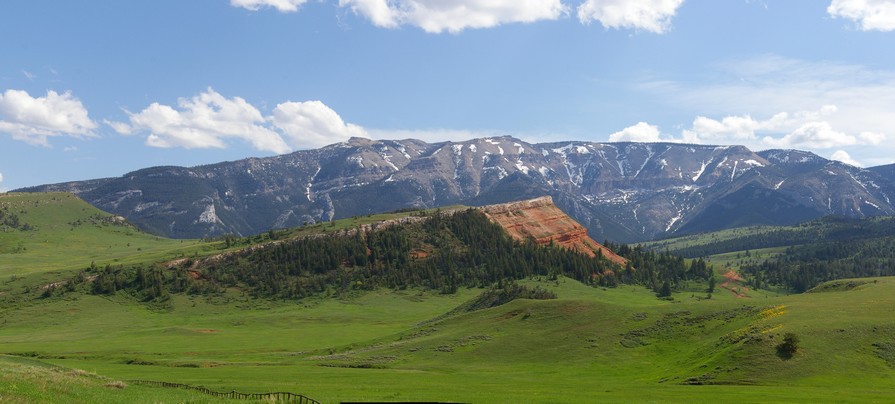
pixel 281 396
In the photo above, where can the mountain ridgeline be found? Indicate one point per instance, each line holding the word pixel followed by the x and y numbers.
pixel 621 191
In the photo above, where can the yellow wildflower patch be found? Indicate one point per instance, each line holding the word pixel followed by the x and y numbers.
pixel 772 312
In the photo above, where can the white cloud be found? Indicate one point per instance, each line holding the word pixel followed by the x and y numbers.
pixel 378 11
pixel 872 15
pixel 210 120
pixel 812 135
pixel 436 16
pixel 204 121
pixel 641 132
pixel 872 138
pixel 648 15
pixel 120 127
pixel 843 156
pixel 733 128
pixel 312 124
pixel 34 120
pixel 769 84
pixel 1 177
pixel 802 129
pixel 744 129
pixel 283 6
pixel 759 88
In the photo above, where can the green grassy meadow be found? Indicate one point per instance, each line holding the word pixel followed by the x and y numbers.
pixel 70 234
pixel 591 344
pixel 588 345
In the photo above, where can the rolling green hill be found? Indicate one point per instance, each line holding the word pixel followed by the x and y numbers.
pixel 59 231
pixel 384 342
pixel 618 345
pixel 827 229
pixel 797 258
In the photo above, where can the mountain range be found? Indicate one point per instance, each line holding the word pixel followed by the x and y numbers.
pixel 619 191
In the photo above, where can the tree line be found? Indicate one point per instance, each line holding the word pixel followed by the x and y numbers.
pixel 803 267
pixel 660 271
pixel 444 252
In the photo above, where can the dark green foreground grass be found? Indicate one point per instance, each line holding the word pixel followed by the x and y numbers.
pixel 618 345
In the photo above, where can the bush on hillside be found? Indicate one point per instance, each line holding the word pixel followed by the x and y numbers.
pixel 789 346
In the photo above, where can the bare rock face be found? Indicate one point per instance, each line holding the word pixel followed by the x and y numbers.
pixel 539 219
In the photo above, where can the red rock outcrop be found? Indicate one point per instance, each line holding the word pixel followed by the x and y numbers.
pixel 541 220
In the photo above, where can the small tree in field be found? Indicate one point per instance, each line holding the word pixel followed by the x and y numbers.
pixel 789 346
pixel 665 290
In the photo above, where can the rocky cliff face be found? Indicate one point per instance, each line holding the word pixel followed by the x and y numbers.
pixel 620 191
pixel 540 220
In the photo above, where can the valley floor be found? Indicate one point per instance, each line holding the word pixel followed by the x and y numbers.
pixel 589 345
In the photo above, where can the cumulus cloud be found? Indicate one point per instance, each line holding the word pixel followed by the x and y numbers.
pixel 204 121
pixel 1 177
pixel 802 129
pixel 283 6
pixel 871 138
pixel 436 16
pixel 735 128
pixel 766 85
pixel 34 120
pixel 312 124
pixel 745 129
pixel 641 132
pixel 648 15
pixel 813 135
pixel 210 120
pixel 878 15
pixel 843 156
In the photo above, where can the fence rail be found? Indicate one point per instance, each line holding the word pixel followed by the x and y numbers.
pixel 280 396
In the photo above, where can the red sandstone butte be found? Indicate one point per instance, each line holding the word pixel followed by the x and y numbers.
pixel 541 220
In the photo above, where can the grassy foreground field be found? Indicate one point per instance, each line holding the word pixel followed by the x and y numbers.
pixel 617 345
pixel 588 345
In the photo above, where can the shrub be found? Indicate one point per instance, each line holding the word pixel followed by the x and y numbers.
pixel 789 346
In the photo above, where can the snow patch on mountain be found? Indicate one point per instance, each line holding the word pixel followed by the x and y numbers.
pixel 753 163
pixel 699 173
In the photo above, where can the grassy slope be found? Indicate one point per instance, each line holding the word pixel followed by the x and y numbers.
pixel 70 234
pixel 24 380
pixel 573 349
pixel 769 237
pixel 591 344
pixel 58 244
pixel 681 242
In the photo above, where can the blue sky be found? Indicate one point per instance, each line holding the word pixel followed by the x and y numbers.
pixel 92 89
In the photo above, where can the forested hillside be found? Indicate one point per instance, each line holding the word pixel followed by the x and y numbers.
pixel 803 267
pixel 811 253
pixel 437 251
